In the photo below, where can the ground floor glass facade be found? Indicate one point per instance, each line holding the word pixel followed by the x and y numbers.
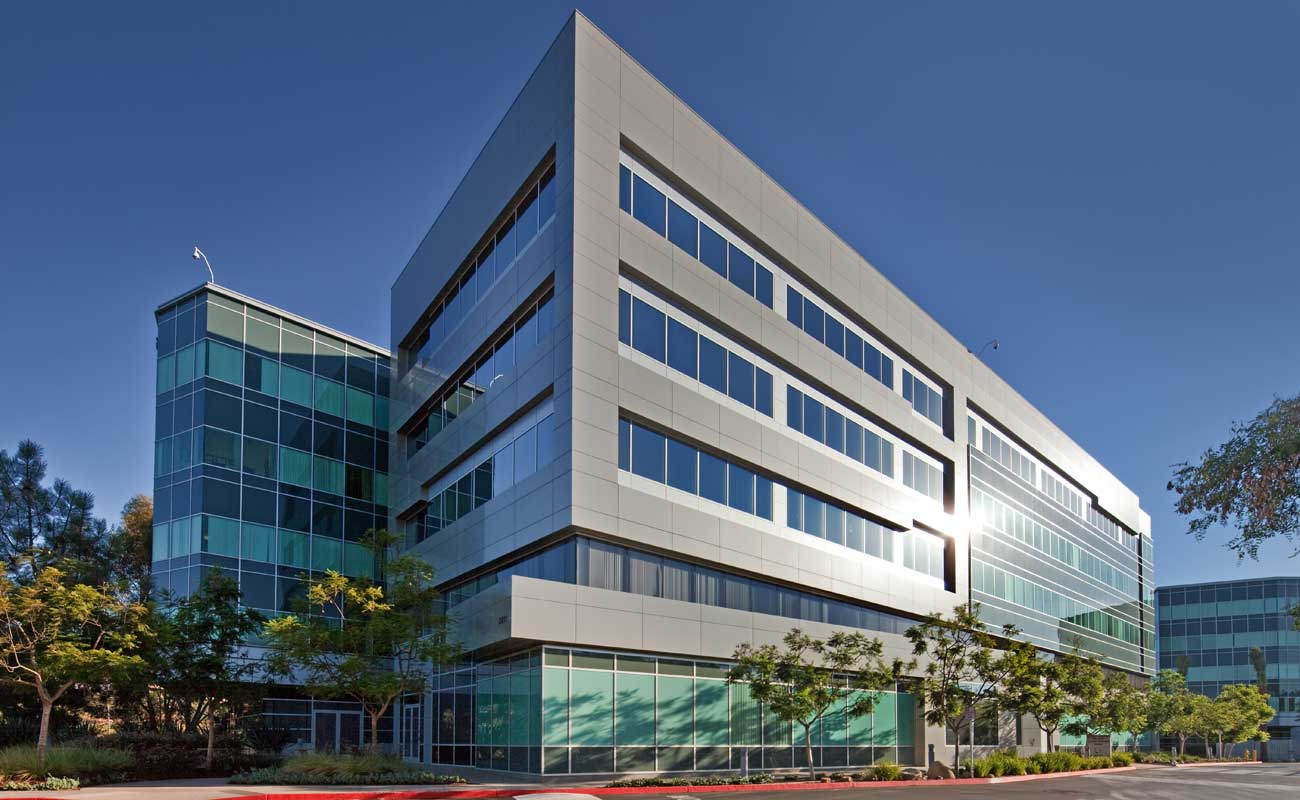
pixel 559 710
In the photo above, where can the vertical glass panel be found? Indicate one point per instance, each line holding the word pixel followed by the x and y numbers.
pixel 681 466
pixel 220 536
pixel 591 720
pixel 711 713
pixel 740 380
pixel 852 440
pixel 740 488
pixel 834 335
pixel 166 374
pixel 624 317
pixel 505 249
pixel 740 269
pixel 676 710
pixel 794 306
pixel 296 386
pixel 884 720
pixel 713 250
pixel 812 419
pixel 329 397
pixel 793 408
pixel 360 407
pixel 648 205
pixel 763 285
pixel 326 554
pixel 546 196
pixel 648 329
pixel 713 365
pixel 854 532
pixel 225 324
pixel 853 348
pixel 713 478
pixel 744 716
pixel 763 497
pixel 185 365
pixel 683 229
pixel 555 705
pixel 763 391
pixel 907 719
pixel 258 543
pixel 814 517
pixel 813 320
pixel 225 363
pixel 624 188
pixel 648 453
pixel 834 430
pixel 636 710
pixel 624 445
pixel 682 348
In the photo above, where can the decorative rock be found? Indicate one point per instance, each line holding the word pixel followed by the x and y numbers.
pixel 939 771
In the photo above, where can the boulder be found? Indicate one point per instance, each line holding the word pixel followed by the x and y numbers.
pixel 939 771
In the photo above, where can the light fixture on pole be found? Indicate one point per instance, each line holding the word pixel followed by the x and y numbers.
pixel 200 254
pixel 991 342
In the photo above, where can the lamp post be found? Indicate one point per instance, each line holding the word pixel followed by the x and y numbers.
pixel 200 254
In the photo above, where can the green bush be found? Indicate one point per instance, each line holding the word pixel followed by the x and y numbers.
pixel 1097 762
pixel 48 785
pixel 1122 759
pixel 322 769
pixel 886 771
pixel 709 780
pixel 1157 757
pixel 1057 762
pixel 86 764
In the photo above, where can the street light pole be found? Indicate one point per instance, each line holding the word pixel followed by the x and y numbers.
pixel 200 254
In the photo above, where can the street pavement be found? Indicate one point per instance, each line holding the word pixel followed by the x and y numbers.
pixel 1247 782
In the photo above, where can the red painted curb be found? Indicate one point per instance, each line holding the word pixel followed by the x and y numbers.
pixel 479 794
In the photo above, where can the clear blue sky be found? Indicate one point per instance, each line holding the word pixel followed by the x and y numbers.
pixel 1110 188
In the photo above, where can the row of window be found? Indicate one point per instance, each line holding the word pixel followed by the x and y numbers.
pixel 925 400
pixel 1010 588
pixel 498 360
pixel 1022 528
pixel 286 509
pixel 833 429
pixel 668 341
pixel 1286 589
pixel 919 551
pixel 521 225
pixel 260 543
pixel 588 562
pixel 230 365
pixel 521 454
pixel 922 476
pixel 1003 452
pixel 821 325
pixel 1241 623
pixel 1056 489
pixel 692 236
pixel 652 455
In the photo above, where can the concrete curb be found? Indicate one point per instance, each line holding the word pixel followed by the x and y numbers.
pixel 481 794
pixel 1214 764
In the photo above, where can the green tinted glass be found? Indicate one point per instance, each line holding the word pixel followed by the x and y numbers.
pixel 295 386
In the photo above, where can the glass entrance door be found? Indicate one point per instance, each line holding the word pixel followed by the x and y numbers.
pixel 336 731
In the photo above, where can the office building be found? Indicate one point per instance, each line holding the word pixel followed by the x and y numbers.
pixel 270 464
pixel 646 407
pixel 1225 632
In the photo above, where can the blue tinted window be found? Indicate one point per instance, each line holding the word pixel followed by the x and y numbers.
pixel 794 510
pixel 740 269
pixel 682 228
pixel 648 329
pixel 713 250
pixel 762 497
pixel 887 370
pixel 887 457
pixel 624 317
pixel 793 408
pixel 763 391
pixel 834 430
pixel 546 197
pixel 624 444
pixel 907 386
pixel 526 219
pixel 853 348
pixel 681 348
pixel 713 478
pixel 681 466
pixel 713 365
pixel 647 453
pixel 763 285
pixel 505 249
pixel 740 380
pixel 648 205
pixel 740 488
pixel 853 532
pixel 871 360
pixel 852 440
pixel 872 447
pixel 813 320
pixel 624 188
pixel 812 418
pixel 834 524
pixel 834 335
pixel 794 307
pixel 814 517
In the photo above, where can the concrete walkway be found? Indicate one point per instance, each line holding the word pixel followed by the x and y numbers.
pixel 217 788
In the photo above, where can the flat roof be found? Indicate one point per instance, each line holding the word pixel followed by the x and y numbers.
pixel 270 309
pixel 1229 580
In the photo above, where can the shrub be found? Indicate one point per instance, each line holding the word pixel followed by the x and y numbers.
pixel 708 780
pixel 1096 762
pixel 1122 759
pixel 325 770
pixel 49 785
pixel 86 764
pixel 886 771
pixel 1057 762
pixel 1157 757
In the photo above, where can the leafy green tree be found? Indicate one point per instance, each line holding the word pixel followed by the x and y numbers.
pixel 1251 482
pixel 963 667
pixel 200 663
pixel 130 547
pixel 1241 712
pixel 1086 707
pixel 362 640
pixel 1126 707
pixel 1173 710
pixel 805 677
pixel 1034 687
pixel 54 636
pixel 1260 663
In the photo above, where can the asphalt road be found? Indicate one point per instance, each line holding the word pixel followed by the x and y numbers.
pixel 1262 782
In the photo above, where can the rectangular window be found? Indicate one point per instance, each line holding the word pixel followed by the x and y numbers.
pixel 360 407
pixel 258 543
pixel 713 250
pixel 794 408
pixel 834 335
pixel 740 269
pixel 834 430
pixel 648 205
pixel 328 476
pixel 763 285
pixel 794 307
pixel 329 397
pixel 648 329
pixel 852 440
pixel 683 229
pixel 259 458
pixel 713 365
pixel 740 380
pixel 763 391
pixel 262 375
pixel 648 454
pixel 225 363
pixel 812 419
pixel 763 497
pixel 682 348
pixel 713 478
pixel 296 386
pixel 813 320
pixel 625 188
pixel 624 445
pixel 681 466
pixel 624 317
pixel 221 449
pixel 853 348
pixel 220 536
pixel 740 488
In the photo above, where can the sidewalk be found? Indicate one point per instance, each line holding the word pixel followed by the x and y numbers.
pixel 217 788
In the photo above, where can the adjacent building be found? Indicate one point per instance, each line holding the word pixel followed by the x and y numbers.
pixel 1243 631
pixel 270 463
pixel 647 407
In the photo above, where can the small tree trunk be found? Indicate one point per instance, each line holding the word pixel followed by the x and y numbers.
pixel 43 740
pixel 374 732
pixel 1182 744
pixel 212 742
pixel 807 750
pixel 1050 748
pixel 956 751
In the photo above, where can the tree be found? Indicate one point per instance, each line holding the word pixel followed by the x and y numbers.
pixel 1035 687
pixel 54 636
pixel 199 659
pixel 1241 712
pixel 802 680
pixel 1086 707
pixel 963 669
pixel 1172 709
pixel 1250 482
pixel 362 640
pixel 130 546
pixel 1260 663
pixel 1126 707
